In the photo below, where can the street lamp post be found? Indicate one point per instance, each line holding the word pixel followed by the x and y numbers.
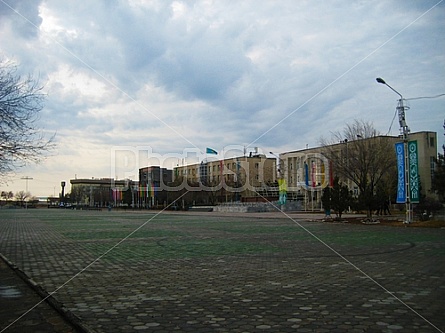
pixel 279 171
pixel 405 131
pixel 26 193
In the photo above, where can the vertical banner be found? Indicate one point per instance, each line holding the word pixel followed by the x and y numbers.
pixel 323 174
pixel 282 190
pixel 313 171
pixel 237 170
pixel 413 172
pixel 400 153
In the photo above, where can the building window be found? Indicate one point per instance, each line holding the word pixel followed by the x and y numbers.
pixel 257 165
pixel 432 142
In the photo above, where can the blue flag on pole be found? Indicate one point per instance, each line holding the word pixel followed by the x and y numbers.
pixel 401 189
pixel 211 151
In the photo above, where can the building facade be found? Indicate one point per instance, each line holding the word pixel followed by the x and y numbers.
pixel 100 192
pixel 243 176
pixel 155 176
pixel 308 171
pixel 153 183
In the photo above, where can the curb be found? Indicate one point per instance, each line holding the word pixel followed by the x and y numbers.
pixel 67 315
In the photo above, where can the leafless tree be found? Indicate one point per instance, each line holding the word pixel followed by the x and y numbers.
pixel 363 156
pixel 21 196
pixel 21 100
pixel 7 195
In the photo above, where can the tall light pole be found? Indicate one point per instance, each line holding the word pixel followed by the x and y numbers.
pixel 27 178
pixel 405 131
pixel 26 193
pixel 280 172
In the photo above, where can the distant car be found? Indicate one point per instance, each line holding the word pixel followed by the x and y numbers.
pixel 66 205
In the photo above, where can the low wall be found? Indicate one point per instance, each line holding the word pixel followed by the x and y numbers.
pixel 257 207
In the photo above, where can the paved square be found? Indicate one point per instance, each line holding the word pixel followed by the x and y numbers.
pixel 203 272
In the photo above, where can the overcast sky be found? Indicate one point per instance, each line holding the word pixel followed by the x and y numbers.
pixel 171 78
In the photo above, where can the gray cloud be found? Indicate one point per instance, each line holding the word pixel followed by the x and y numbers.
pixel 24 16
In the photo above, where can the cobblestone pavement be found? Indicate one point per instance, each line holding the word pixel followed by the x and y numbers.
pixel 202 272
pixel 18 304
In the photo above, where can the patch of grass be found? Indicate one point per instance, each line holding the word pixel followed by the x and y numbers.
pixel 119 234
pixel 181 236
pixel 378 236
pixel 179 248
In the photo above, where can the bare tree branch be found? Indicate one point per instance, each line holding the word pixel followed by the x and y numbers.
pixel 21 100
pixel 362 155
